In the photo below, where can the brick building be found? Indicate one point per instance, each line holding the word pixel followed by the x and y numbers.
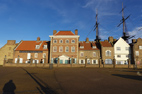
pixel 107 52
pixel 7 51
pixel 64 46
pixel 31 52
pixel 136 47
pixel 89 50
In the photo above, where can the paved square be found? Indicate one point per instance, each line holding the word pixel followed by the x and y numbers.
pixel 70 81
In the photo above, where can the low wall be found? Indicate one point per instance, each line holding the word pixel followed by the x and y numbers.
pixel 69 65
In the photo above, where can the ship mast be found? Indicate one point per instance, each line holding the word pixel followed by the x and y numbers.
pixel 96 27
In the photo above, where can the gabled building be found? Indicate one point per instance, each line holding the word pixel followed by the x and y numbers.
pixel 107 52
pixel 64 46
pixel 122 51
pixel 6 52
pixel 88 49
pixel 136 48
pixel 31 52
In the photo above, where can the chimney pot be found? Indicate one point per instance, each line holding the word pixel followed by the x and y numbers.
pixel 38 38
pixel 76 32
pixel 54 32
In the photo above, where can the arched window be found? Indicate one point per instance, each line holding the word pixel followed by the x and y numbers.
pixel 108 53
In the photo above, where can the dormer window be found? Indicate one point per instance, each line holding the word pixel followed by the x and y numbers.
pixel 94 47
pixel 81 46
pixel 37 46
pixel 44 46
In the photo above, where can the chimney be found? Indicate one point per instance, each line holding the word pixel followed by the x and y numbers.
pixel 110 39
pixel 134 40
pixel 87 39
pixel 11 42
pixel 76 32
pixel 54 32
pixel 38 39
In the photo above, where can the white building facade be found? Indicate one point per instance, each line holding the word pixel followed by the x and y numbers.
pixel 122 51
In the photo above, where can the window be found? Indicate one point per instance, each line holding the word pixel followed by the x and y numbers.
pixel 36 55
pixel 61 49
pixel 140 47
pixel 127 48
pixel 118 62
pixel 118 48
pixel 28 55
pixel 54 49
pixel 81 46
pixel 94 47
pixel 81 54
pixel 72 49
pixel 67 49
pixel 94 62
pixel 108 53
pixel 67 41
pixel 94 54
pixel 108 61
pixel 44 46
pixel 88 61
pixel 44 55
pixel 82 61
pixel 72 41
pixel 137 53
pixel 54 41
pixel 127 56
pixel 37 46
pixel 61 41
pixel 118 56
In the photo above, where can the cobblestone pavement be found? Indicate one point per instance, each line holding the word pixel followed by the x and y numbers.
pixel 23 80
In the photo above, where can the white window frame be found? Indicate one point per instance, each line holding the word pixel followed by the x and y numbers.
pixel 60 41
pixel 81 53
pixel 61 47
pixel 109 54
pixel 54 41
pixel 94 47
pixel 44 46
pixel 67 40
pixel 137 53
pixel 44 55
pixel 95 54
pixel 88 61
pixel 72 49
pixel 95 60
pixel 81 60
pixel 28 55
pixel 36 55
pixel 66 49
pixel 82 47
pixel 118 48
pixel 54 48
pixel 140 47
pixel 72 41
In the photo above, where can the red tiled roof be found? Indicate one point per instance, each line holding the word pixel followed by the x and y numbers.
pixel 64 33
pixel 106 44
pixel 87 45
pixel 31 46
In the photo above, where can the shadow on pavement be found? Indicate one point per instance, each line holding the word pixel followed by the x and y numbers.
pixel 9 88
pixel 129 76
pixel 45 88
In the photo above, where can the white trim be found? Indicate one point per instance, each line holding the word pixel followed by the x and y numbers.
pixel 95 54
pixel 60 48
pixel 18 44
pixel 109 53
pixel 95 60
pixel 80 61
pixel 72 48
pixel 65 49
pixel 54 40
pixel 80 54
pixel 36 55
pixel 44 54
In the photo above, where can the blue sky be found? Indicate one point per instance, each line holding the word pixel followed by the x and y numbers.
pixel 28 19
